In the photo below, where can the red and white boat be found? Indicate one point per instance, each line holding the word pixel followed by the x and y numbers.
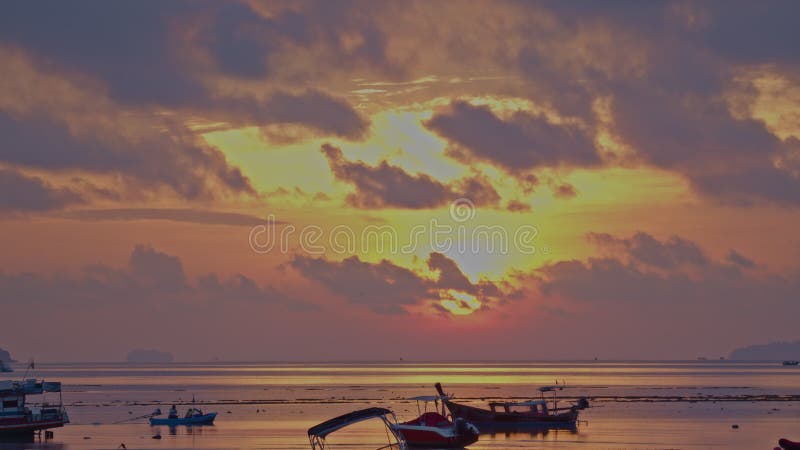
pixel 434 430
pixel 20 418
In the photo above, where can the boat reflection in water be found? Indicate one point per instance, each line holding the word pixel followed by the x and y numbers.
pixel 537 431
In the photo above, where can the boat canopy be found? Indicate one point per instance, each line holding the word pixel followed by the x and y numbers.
pixel 525 403
pixel 29 386
pixel 337 423
pixel 428 398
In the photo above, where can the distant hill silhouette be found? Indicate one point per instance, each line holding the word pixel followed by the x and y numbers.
pixel 5 356
pixel 148 356
pixel 774 351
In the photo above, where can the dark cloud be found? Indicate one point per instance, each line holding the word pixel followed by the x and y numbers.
pixel 387 186
pixel 748 187
pixel 524 141
pixel 383 287
pixel 151 277
pixel 643 279
pixel 677 116
pixel 242 288
pixel 313 109
pixel 386 288
pixel 148 54
pixel 182 162
pixel 740 260
pixel 450 275
pixel 647 250
pixel 171 214
pixel 157 270
pixel 19 193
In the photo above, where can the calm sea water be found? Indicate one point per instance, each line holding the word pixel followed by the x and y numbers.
pixel 635 405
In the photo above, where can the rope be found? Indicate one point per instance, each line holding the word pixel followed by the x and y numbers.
pixel 146 416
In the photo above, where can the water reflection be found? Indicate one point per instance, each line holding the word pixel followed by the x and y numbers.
pixel 533 430
pixel 26 442
pixel 195 430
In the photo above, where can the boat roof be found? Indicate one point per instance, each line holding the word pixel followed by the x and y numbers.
pixel 525 403
pixel 329 426
pixel 29 386
pixel 427 398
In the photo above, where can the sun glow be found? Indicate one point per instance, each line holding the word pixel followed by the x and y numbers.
pixel 459 303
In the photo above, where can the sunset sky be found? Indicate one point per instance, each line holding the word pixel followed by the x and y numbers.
pixel 641 160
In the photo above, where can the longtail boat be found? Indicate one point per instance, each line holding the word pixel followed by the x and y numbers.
pixel 529 412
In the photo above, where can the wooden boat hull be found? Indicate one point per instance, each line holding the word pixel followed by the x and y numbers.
pixel 205 419
pixel 25 427
pixel 480 416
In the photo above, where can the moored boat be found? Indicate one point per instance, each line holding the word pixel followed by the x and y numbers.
pixel 18 417
pixel 434 430
pixel 530 412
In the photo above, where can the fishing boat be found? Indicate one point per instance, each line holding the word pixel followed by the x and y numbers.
pixel 318 434
pixel 194 416
pixel 18 417
pixel 433 430
pixel 530 412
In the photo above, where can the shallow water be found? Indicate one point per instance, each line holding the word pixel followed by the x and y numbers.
pixel 635 405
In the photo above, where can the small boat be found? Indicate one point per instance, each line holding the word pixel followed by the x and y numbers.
pixel 318 433
pixel 18 417
pixel 786 444
pixel 434 430
pixel 529 412
pixel 193 416
pixel 791 363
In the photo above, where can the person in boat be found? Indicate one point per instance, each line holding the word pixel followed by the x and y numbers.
pixel 173 412
pixel 193 412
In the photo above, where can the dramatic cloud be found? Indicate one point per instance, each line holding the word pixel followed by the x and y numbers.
pixel 649 251
pixel 155 54
pixel 387 186
pixel 524 141
pixel 386 288
pixel 22 193
pixel 151 277
pixel 179 161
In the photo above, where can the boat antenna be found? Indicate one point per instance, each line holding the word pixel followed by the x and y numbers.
pixel 31 366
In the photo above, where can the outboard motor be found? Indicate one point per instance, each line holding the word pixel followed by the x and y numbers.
pixel 583 403
pixel 465 428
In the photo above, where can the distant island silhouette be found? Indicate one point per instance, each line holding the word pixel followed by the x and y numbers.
pixel 5 356
pixel 148 356
pixel 774 351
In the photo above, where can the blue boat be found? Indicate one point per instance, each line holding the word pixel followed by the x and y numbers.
pixel 194 416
